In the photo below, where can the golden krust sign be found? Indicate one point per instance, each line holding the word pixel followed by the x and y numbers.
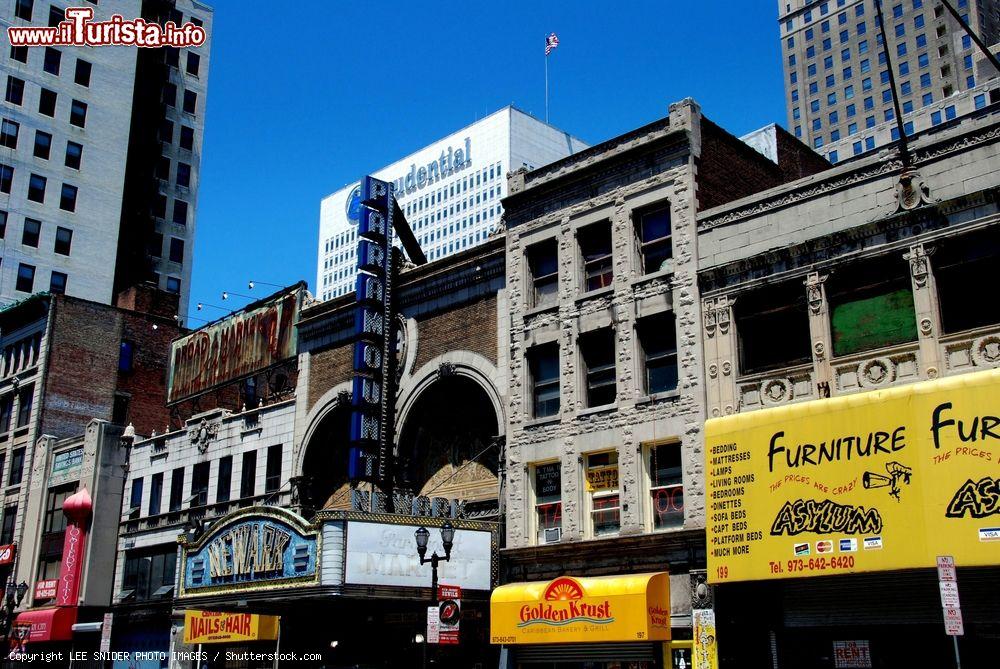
pixel 219 627
pixel 235 347
pixel 633 607
pixel 882 480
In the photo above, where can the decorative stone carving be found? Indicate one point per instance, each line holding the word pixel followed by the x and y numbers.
pixel 722 309
pixel 926 327
pixel 713 370
pixel 814 292
pixel 932 372
pixel 819 350
pixel 911 191
pixel 715 412
pixel 202 434
pixel 776 391
pixel 919 269
pixel 446 369
pixel 876 372
pixel 727 367
pixel 986 351
pixel 708 309
pixel 729 409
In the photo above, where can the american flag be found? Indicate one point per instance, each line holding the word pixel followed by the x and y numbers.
pixel 551 42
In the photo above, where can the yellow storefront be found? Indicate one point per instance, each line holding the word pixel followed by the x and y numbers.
pixel 826 520
pixel 606 622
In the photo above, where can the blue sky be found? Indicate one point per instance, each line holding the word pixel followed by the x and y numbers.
pixel 306 97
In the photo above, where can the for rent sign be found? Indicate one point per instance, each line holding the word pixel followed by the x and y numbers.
pixel 882 480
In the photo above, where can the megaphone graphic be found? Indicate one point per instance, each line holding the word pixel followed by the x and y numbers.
pixel 872 480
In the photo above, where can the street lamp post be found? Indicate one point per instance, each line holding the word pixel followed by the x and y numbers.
pixel 13 596
pixel 447 541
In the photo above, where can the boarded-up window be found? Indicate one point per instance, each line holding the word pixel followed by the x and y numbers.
pixel 871 305
pixel 772 324
pixel 963 268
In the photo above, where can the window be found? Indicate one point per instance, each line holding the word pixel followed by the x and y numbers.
pixel 6 178
pixel 193 63
pixel 190 101
pixel 15 90
pixel 224 483
pixel 176 250
pixel 163 168
pixel 936 118
pixel 156 245
pixel 813 89
pixel 119 409
pixel 78 114
pixel 907 106
pixel 811 70
pixel 921 41
pixel 658 341
pixel 831 99
pixel 595 248
pixel 830 80
pixel 863 46
pixel 248 477
pixel 36 188
pixel 187 138
pixel 74 154
pixel 866 66
pixel 862 28
pixel 869 121
pixel 828 62
pixel 871 305
pixel 43 144
pixel 176 489
pixel 180 212
pixel 834 118
pixel 897 11
pixel 3 224
pixel 901 49
pixel 852 128
pixel 544 267
pixel 772 327
pixel 82 74
pixel 199 483
pixel 666 486
pixel 272 475
pixel 135 499
pixel 844 36
pixel 866 84
pixel 16 467
pixel 598 352
pixel 653 231
pixel 847 74
pixel 851 111
pixel 548 502
pixel 53 58
pixel 6 413
pixel 960 262
pixel 56 16
pixel 8 133
pixel 9 521
pixel 856 147
pixel 173 284
pixel 869 143
pixel 900 29
pixel 19 53
pixel 55 519
pixel 149 572
pixel 25 278
pixel 904 69
pixel 67 199
pixel 22 9
pixel 171 56
pixel 166 131
pixel 57 283
pixel 602 486
pixel 949 112
pixel 155 493
pixel 183 174
pixel 543 365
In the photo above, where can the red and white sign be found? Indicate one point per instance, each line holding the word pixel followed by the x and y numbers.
pixel 7 553
pixel 950 604
pixel 854 654
pixel 946 568
pixel 433 625
pixel 449 612
pixel 953 622
pixel 46 589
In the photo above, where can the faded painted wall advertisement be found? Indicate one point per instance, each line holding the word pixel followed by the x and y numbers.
pixel 237 346
pixel 882 480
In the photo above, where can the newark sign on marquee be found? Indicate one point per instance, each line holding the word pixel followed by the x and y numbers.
pixel 883 480
pixel 235 347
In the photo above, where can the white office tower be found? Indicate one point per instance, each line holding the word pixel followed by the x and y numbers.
pixel 450 191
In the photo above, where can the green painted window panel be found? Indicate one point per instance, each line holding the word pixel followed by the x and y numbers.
pixel 873 322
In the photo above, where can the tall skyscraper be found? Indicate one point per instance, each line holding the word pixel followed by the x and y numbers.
pixel 836 71
pixel 99 156
pixel 449 191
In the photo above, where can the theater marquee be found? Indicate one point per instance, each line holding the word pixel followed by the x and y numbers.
pixel 882 480
pixel 238 346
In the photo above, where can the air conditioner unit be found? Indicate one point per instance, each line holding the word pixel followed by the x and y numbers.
pixel 552 534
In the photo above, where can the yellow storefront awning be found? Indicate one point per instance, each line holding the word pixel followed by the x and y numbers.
pixel 632 607
pixel 221 627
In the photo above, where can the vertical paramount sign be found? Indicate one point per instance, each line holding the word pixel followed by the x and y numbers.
pixel 372 398
pixel 240 345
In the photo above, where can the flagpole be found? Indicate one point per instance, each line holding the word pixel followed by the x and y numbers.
pixel 546 88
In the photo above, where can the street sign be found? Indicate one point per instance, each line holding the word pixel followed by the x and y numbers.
pixel 106 632
pixel 949 594
pixel 953 622
pixel 946 568
pixel 433 625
